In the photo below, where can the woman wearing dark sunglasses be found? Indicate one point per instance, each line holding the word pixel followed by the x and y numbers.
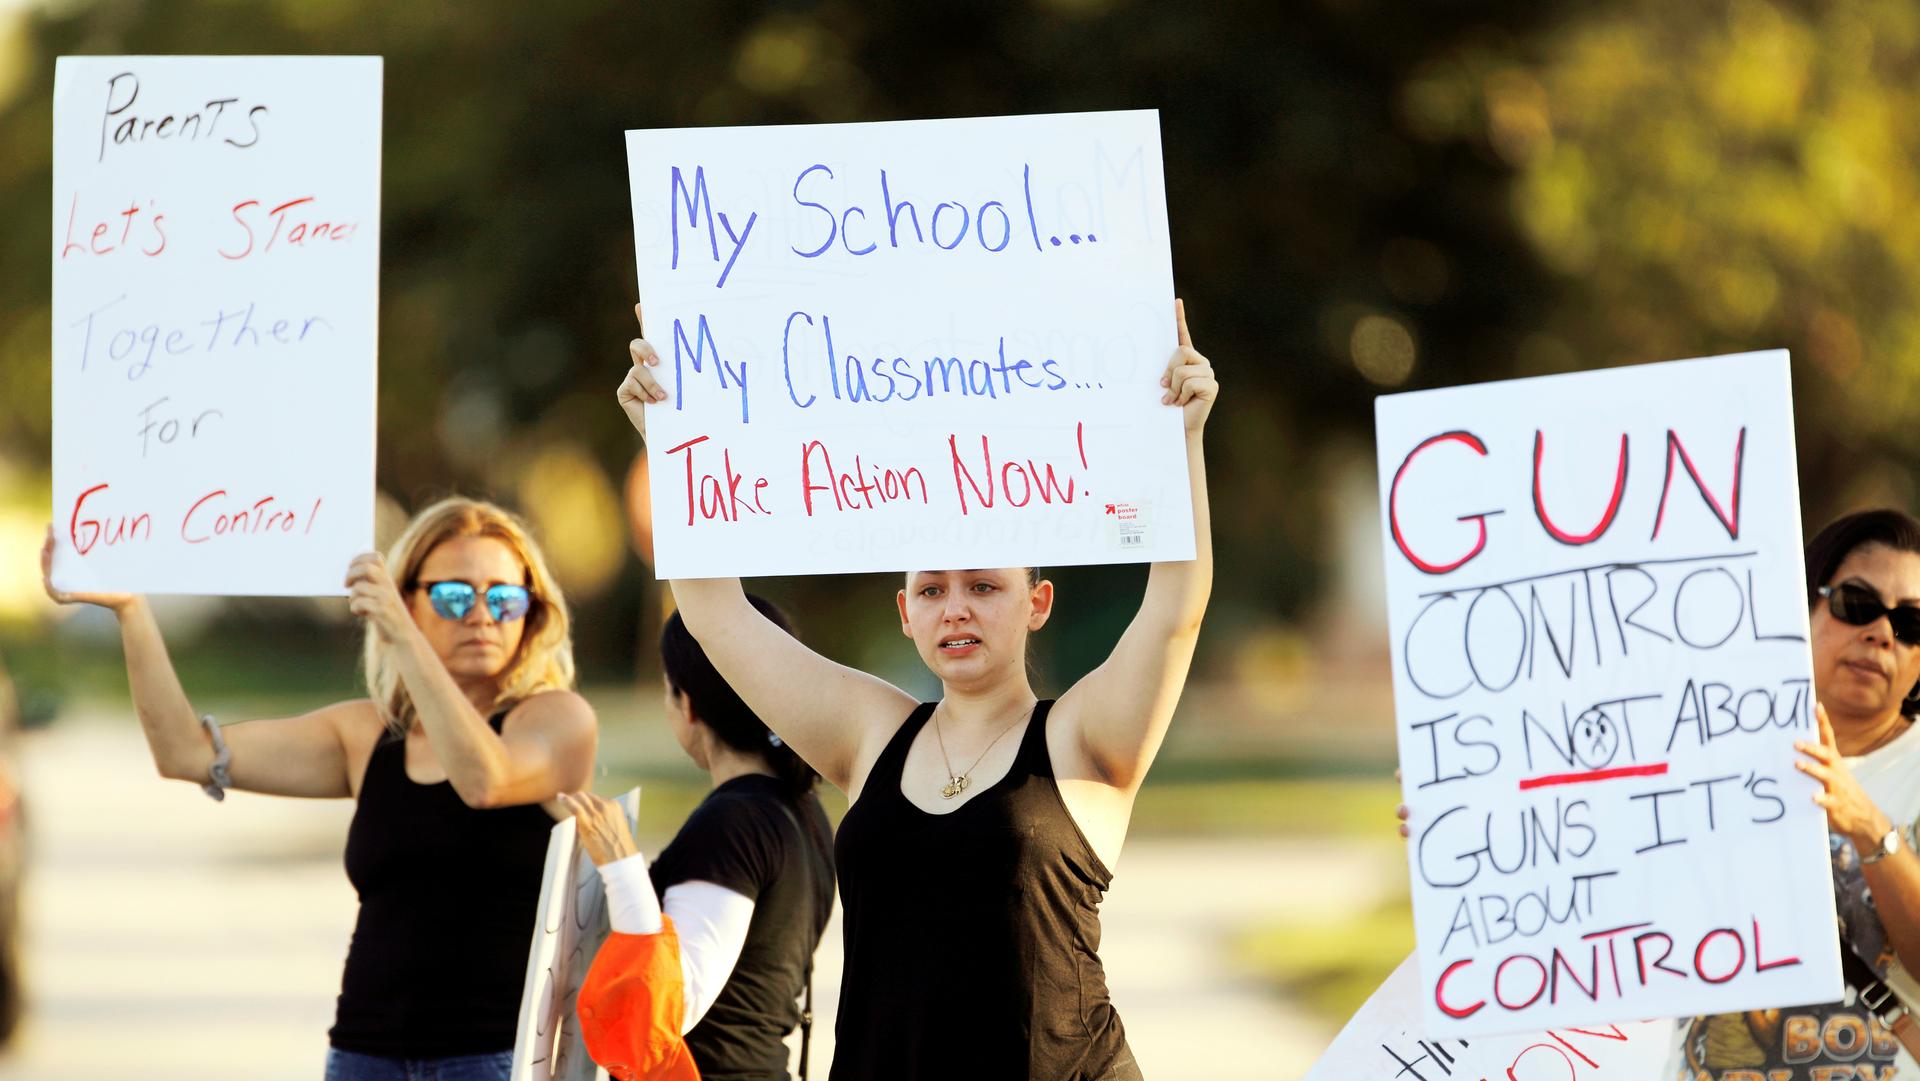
pixel 470 727
pixel 1863 589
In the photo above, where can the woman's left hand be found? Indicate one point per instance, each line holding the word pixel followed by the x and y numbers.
pixel 1850 811
pixel 1189 378
pixel 372 596
pixel 602 827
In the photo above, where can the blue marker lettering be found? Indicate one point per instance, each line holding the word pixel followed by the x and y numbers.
pixel 739 242
pixel 786 358
pixel 832 228
pixel 935 225
pixel 893 214
pixel 703 337
pixel 694 201
pixel 980 226
pixel 845 233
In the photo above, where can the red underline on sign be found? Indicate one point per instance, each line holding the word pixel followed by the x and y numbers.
pixel 1545 780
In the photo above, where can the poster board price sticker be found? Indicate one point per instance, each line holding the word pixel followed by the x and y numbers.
pixel 1129 524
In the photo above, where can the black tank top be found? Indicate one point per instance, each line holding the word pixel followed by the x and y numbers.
pixel 448 900
pixel 972 937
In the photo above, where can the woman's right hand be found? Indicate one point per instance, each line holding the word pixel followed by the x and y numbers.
pixel 113 602
pixel 602 827
pixel 640 386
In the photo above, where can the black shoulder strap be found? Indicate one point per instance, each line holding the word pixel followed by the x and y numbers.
pixel 806 1003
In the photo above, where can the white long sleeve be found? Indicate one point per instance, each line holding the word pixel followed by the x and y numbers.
pixel 711 922
pixel 632 908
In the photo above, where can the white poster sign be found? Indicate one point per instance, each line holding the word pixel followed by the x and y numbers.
pixel 216 253
pixel 1600 666
pixel 914 345
pixel 1386 1041
pixel 572 925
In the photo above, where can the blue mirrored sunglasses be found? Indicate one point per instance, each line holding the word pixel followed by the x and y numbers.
pixel 453 600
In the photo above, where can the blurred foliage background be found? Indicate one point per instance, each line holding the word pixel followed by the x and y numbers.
pixel 1364 195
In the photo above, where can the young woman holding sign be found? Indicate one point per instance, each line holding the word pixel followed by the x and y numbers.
pixel 1863 595
pixel 469 727
pixel 717 942
pixel 983 826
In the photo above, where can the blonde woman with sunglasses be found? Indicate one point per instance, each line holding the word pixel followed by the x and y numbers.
pixel 469 731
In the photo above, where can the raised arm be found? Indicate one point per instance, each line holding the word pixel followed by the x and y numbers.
pixel 295 756
pixel 544 747
pixel 1121 709
pixel 835 717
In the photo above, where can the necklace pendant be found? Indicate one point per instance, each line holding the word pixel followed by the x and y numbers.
pixel 953 787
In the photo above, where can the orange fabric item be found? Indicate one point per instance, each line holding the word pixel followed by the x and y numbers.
pixel 631 1006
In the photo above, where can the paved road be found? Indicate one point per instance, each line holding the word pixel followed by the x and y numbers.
pixel 170 938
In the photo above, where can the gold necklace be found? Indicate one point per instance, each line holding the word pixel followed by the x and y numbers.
pixel 958 782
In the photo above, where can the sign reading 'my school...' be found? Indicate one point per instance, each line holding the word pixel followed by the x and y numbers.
pixel 926 344
pixel 216 249
pixel 1600 666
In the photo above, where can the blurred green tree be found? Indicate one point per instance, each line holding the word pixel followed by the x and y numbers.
pixel 1365 196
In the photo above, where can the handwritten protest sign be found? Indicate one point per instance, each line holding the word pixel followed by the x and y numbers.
pixel 572 925
pixel 1600 665
pixel 928 344
pixel 216 250
pixel 1385 1041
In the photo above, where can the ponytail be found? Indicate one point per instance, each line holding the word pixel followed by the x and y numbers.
pixel 712 699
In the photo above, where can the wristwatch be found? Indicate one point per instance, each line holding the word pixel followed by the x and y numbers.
pixel 1888 846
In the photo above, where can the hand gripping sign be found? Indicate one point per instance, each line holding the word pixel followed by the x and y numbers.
pixel 572 925
pixel 1600 665
pixel 216 250
pixel 902 345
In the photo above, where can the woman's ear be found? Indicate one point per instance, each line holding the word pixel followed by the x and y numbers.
pixel 900 601
pixel 1042 597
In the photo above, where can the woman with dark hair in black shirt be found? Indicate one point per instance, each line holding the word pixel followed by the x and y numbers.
pixel 747 882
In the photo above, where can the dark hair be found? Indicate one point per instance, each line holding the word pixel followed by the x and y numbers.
pixel 1830 547
pixel 719 707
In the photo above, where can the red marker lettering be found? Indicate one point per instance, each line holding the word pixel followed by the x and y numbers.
pixel 1606 519
pixel 108 530
pixel 1473 443
pixel 1729 515
pixel 1440 993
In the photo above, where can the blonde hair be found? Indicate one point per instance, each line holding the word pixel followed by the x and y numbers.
pixel 544 659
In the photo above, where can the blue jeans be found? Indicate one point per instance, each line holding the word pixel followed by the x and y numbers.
pixel 353 1066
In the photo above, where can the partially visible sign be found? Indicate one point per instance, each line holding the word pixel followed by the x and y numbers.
pixel 1385 1041
pixel 216 257
pixel 573 924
